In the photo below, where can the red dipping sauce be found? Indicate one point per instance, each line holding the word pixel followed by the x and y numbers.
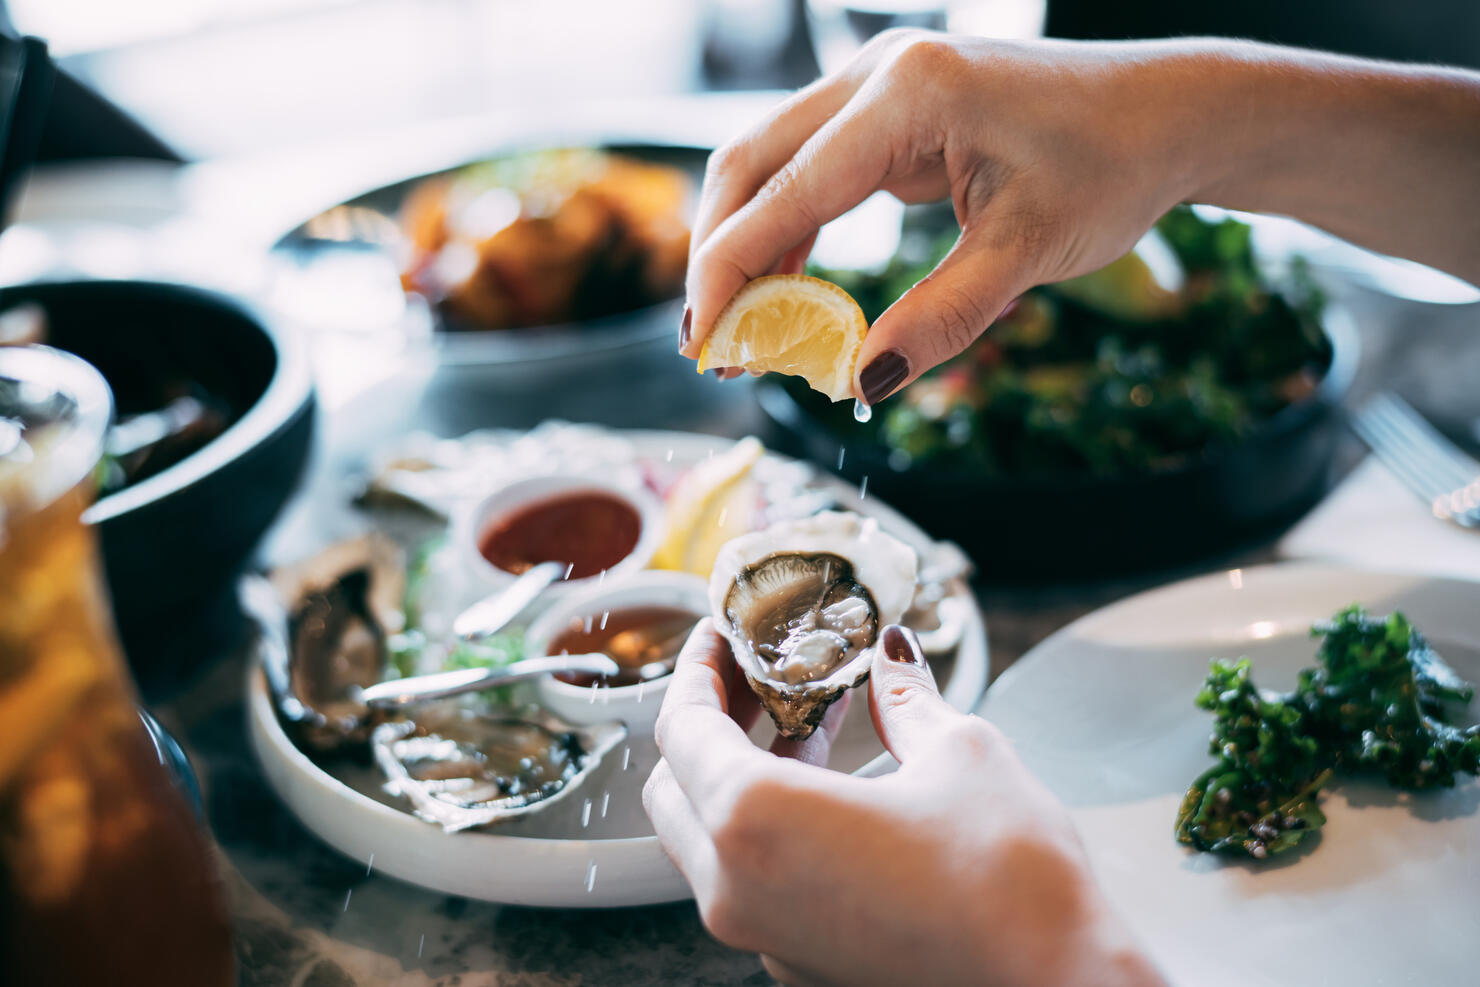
pixel 588 530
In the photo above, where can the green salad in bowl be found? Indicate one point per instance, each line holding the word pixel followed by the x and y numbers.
pixel 1178 346
pixel 1172 404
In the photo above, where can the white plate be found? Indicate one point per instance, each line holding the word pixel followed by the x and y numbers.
pixel 593 850
pixel 1102 711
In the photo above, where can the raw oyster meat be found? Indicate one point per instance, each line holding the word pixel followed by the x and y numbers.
pixel 461 768
pixel 340 605
pixel 802 603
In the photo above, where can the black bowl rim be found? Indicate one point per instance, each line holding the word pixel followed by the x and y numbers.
pixel 1336 322
pixel 287 393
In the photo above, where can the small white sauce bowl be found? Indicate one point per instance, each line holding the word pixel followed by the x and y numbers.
pixel 635 705
pixel 470 525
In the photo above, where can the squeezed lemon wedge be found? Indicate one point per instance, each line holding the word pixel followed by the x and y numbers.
pixel 790 324
pixel 708 506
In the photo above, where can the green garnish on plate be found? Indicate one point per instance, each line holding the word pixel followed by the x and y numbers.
pixel 1378 703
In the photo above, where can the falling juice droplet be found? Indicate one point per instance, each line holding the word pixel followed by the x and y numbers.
pixel 570 568
pixel 605 614
pixel 370 865
pixel 668 458
pixel 861 413
pixel 606 800
pixel 843 450
pixel 421 945
pixel 586 814
pixel 347 895
pixel 724 514
pixel 593 693
pixel 863 487
pixel 626 757
pixel 591 877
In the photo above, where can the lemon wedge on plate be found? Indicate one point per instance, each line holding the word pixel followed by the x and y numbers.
pixel 708 506
pixel 790 324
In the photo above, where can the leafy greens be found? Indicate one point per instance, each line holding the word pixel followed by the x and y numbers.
pixel 1377 703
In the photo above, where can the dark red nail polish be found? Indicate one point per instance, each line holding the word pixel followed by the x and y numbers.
pixel 686 328
pixel 901 645
pixel 883 374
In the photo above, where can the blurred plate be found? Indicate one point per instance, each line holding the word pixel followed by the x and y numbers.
pixel 1103 713
pixel 1052 527
pixel 355 242
pixel 593 850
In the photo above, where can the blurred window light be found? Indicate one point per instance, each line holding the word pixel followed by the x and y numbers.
pixel 213 77
pixel 73 27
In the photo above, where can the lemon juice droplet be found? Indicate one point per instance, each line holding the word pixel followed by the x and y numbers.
pixel 861 411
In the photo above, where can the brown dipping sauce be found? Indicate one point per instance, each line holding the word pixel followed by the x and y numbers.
pixel 589 531
pixel 633 637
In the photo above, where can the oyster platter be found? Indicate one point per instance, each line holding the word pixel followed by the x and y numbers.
pixel 463 693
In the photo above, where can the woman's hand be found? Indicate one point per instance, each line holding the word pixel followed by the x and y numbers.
pixel 1058 156
pixel 1019 138
pixel 957 868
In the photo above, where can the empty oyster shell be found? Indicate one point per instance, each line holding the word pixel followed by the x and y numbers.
pixel 461 768
pixel 802 603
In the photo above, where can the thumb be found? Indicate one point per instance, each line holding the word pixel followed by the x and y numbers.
pixel 906 708
pixel 940 316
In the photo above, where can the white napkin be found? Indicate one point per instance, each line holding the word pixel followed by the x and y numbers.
pixel 1372 521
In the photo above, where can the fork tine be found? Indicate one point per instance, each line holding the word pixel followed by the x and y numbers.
pixel 1398 455
pixel 1430 440
pixel 1422 458
pixel 1396 464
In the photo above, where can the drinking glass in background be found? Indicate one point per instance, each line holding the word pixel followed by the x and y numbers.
pixel 840 27
pixel 105 874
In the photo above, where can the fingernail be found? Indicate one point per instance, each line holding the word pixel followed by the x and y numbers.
pixel 901 645
pixel 1010 306
pixel 686 328
pixel 883 375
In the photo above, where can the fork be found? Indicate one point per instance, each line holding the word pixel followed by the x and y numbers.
pixel 1425 461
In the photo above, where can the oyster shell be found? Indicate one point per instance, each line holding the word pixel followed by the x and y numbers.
pixel 802 603
pixel 461 768
pixel 340 605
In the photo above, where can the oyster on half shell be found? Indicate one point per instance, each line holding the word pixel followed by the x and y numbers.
pixel 802 603
pixel 339 606
pixel 460 768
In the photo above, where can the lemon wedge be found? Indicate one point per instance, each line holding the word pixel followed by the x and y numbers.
pixel 790 324
pixel 708 506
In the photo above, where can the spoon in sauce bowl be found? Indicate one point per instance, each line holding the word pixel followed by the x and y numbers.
pixel 441 685
pixel 493 613
pixel 643 652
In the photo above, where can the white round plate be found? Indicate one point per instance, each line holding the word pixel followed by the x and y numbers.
pixel 1103 712
pixel 595 849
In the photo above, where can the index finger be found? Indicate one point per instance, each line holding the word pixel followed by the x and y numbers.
pixel 705 747
pixel 839 166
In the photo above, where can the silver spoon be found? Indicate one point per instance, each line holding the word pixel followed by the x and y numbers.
pixel 440 685
pixel 492 613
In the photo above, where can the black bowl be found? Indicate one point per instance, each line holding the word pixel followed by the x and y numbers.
pixel 1035 529
pixel 174 543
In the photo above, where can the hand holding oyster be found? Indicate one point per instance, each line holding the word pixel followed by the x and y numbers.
pixel 802 603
